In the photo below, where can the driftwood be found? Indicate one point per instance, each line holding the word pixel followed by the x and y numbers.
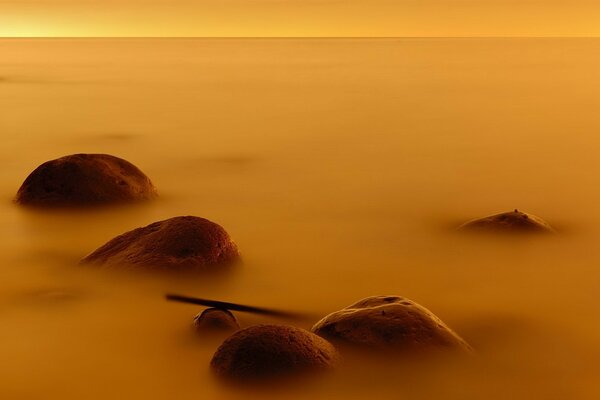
pixel 237 307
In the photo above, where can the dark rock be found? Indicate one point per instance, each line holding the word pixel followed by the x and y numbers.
pixel 272 351
pixel 215 320
pixel 388 323
pixel 508 222
pixel 184 244
pixel 83 180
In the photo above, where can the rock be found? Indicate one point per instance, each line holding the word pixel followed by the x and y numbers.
pixel 83 180
pixel 215 320
pixel 508 222
pixel 272 351
pixel 184 244
pixel 388 323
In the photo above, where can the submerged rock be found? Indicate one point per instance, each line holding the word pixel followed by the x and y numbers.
pixel 85 179
pixel 184 244
pixel 272 351
pixel 215 320
pixel 388 323
pixel 508 222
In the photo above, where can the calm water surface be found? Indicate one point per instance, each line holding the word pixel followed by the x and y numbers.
pixel 340 167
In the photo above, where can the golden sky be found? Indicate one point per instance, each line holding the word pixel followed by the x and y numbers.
pixel 299 17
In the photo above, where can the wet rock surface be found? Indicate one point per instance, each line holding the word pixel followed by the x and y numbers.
pixel 85 180
pixel 179 244
pixel 215 320
pixel 508 222
pixel 272 351
pixel 388 323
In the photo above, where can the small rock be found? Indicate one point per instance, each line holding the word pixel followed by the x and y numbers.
pixel 508 222
pixel 184 244
pixel 388 323
pixel 215 320
pixel 83 180
pixel 272 351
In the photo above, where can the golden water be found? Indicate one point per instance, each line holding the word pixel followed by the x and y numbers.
pixel 340 168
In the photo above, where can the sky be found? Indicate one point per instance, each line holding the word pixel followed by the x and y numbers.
pixel 299 18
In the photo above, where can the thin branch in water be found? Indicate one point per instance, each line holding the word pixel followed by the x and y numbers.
pixel 236 307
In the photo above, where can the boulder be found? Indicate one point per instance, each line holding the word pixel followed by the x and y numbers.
pixel 84 180
pixel 215 320
pixel 272 351
pixel 388 323
pixel 184 244
pixel 508 222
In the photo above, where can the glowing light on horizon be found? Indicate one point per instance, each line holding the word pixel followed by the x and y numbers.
pixel 298 18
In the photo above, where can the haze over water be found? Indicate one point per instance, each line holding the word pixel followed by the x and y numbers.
pixel 340 167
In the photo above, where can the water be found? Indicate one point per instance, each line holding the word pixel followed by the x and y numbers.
pixel 340 168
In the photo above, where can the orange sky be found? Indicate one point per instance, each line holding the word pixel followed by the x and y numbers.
pixel 299 18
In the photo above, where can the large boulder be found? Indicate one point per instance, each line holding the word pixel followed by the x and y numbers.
pixel 508 222
pixel 83 180
pixel 185 244
pixel 388 323
pixel 215 320
pixel 272 351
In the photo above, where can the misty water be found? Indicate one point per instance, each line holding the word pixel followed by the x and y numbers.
pixel 340 167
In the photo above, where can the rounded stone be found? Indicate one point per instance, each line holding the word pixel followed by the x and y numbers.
pixel 508 222
pixel 184 244
pixel 272 351
pixel 388 323
pixel 83 180
pixel 215 320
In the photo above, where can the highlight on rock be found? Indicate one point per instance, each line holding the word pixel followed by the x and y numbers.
pixel 385 323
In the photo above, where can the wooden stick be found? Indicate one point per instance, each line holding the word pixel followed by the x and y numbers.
pixel 235 307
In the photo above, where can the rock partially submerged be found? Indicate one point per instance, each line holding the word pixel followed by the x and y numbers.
pixel 215 320
pixel 179 244
pixel 508 222
pixel 272 351
pixel 84 180
pixel 388 323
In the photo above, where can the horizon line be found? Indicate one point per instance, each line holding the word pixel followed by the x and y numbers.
pixel 299 37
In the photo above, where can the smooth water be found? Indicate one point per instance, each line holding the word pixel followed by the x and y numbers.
pixel 340 168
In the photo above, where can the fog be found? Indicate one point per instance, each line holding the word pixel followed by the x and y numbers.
pixel 341 169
